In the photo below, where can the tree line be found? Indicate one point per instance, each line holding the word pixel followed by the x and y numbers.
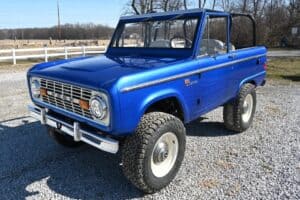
pixel 274 18
pixel 68 31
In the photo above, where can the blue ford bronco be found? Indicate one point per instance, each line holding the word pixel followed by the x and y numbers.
pixel 160 71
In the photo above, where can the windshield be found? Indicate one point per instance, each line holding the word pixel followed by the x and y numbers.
pixel 177 33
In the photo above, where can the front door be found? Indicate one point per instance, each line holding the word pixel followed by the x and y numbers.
pixel 213 88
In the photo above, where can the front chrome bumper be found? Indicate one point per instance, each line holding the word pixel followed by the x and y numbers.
pixel 100 142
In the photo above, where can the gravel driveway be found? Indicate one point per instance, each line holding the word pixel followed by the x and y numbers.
pixel 261 163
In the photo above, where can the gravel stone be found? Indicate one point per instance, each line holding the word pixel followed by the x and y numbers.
pixel 261 163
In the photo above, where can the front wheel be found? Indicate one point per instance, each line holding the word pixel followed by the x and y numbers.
pixel 238 114
pixel 153 155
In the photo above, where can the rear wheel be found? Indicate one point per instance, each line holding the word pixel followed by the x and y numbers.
pixel 62 138
pixel 153 155
pixel 238 114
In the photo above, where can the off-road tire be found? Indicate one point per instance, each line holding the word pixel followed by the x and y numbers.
pixel 62 138
pixel 137 151
pixel 232 112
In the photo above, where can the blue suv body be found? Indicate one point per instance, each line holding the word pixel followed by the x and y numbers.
pixel 178 63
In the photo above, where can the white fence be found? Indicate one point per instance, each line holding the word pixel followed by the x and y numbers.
pixel 22 54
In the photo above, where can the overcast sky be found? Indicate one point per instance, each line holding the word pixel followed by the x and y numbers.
pixel 43 13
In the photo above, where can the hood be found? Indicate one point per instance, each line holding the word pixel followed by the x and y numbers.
pixel 96 72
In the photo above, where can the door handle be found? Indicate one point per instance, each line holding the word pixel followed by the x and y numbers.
pixel 232 56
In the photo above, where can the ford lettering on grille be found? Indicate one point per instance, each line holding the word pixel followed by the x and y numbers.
pixel 66 96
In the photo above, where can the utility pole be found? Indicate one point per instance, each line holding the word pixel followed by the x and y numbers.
pixel 58 21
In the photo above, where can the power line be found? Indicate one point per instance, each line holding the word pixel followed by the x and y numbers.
pixel 58 21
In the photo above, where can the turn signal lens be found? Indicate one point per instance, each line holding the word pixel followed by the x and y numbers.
pixel 43 92
pixel 84 104
pixel 265 66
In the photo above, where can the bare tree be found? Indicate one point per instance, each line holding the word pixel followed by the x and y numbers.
pixel 185 4
pixel 148 6
pixel 244 6
pixel 213 4
pixel 133 5
pixel 201 3
pixel 226 5
pixel 142 6
pixel 274 18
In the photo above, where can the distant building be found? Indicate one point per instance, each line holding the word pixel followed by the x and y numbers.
pixel 293 39
pixel 295 31
pixel 295 36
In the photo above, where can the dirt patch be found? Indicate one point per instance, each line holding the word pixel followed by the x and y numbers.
pixel 209 183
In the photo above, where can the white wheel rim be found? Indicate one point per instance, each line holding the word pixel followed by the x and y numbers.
pixel 164 154
pixel 247 108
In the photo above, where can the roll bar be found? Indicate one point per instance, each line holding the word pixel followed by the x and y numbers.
pixel 249 16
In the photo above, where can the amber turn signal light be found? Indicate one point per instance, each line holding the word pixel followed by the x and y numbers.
pixel 43 92
pixel 84 104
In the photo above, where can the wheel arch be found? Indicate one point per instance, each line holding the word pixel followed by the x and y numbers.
pixel 256 79
pixel 153 102
pixel 245 81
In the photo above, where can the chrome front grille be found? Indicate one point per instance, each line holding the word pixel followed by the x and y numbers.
pixel 66 96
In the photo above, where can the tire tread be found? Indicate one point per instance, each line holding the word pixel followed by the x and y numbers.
pixel 134 149
pixel 233 110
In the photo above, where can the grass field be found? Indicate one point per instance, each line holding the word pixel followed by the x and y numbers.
pixel 285 69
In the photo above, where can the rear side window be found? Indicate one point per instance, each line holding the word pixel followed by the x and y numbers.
pixel 241 32
pixel 214 38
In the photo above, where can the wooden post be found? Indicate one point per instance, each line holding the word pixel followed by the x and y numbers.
pixel 83 50
pixel 46 54
pixel 66 53
pixel 14 56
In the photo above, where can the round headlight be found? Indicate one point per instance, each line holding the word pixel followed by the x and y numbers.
pixel 35 88
pixel 98 107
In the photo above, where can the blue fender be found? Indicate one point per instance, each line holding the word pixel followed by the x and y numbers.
pixel 256 78
pixel 164 94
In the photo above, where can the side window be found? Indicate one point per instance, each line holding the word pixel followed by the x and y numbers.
pixel 214 38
